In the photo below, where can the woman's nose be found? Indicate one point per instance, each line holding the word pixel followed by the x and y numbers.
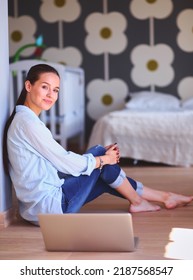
pixel 49 93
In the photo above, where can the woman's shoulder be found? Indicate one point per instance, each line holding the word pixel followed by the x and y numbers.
pixel 25 119
pixel 22 110
pixel 25 115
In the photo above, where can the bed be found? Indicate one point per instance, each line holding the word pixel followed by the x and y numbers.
pixel 159 130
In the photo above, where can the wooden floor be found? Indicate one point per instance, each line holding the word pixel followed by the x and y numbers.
pixel 24 241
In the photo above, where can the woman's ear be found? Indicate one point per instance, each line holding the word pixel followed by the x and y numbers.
pixel 28 86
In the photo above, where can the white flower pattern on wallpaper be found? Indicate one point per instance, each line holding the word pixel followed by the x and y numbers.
pixel 152 65
pixel 67 56
pixel 105 96
pixel 105 33
pixel 185 36
pixel 185 88
pixel 144 9
pixel 56 10
pixel 19 35
pixel 106 37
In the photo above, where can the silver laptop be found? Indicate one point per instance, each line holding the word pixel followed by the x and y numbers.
pixel 97 232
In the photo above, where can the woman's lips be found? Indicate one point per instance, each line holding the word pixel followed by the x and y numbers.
pixel 48 101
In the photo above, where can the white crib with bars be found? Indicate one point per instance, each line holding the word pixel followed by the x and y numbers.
pixel 66 118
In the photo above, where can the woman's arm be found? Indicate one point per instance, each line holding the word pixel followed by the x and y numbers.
pixel 38 138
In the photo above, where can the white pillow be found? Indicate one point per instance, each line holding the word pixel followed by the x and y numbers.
pixel 187 104
pixel 154 101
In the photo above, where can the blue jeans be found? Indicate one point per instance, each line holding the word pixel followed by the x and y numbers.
pixel 80 190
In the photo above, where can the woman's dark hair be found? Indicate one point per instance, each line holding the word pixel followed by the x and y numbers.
pixel 33 75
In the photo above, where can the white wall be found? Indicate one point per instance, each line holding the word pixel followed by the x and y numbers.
pixel 5 186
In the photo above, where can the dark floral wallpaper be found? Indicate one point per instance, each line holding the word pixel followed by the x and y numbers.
pixel 123 46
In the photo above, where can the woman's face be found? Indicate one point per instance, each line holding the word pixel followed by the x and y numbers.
pixel 43 93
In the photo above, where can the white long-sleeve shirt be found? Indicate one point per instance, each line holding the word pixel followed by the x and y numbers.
pixel 35 157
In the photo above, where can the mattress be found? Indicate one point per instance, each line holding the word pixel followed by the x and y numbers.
pixel 162 137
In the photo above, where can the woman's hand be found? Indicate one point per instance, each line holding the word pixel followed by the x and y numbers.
pixel 111 156
pixel 111 145
pixel 113 152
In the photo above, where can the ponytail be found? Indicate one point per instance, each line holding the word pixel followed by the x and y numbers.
pixel 20 101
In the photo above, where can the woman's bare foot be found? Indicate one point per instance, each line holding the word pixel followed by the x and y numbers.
pixel 144 206
pixel 177 200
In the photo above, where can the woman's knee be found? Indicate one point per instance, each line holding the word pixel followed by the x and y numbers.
pixel 110 173
pixel 97 150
